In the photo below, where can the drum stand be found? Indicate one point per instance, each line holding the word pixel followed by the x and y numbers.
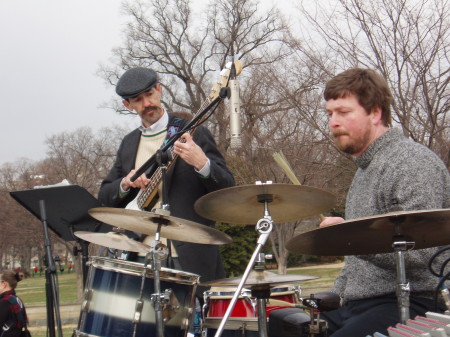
pixel 264 227
pixel 316 325
pixel 400 246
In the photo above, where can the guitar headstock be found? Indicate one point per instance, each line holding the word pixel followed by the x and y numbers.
pixel 224 77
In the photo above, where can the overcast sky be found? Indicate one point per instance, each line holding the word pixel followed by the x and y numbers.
pixel 50 52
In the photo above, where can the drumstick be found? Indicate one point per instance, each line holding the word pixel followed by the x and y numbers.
pixel 278 303
pixel 284 164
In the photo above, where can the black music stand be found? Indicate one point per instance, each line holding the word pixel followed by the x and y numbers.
pixel 67 212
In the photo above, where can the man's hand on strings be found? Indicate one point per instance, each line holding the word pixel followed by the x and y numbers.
pixel 190 152
pixel 140 182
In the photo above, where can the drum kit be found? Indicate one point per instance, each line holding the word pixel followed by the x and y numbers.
pixel 119 300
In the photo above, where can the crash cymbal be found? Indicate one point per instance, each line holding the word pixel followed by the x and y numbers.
pixel 245 204
pixel 147 223
pixel 114 240
pixel 259 278
pixel 375 234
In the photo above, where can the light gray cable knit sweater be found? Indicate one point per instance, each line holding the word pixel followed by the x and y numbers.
pixel 394 169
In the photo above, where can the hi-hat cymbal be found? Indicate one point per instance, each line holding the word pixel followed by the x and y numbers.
pixel 114 240
pixel 171 227
pixel 258 278
pixel 245 204
pixel 375 234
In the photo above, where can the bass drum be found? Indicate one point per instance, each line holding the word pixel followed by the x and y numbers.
pixel 112 290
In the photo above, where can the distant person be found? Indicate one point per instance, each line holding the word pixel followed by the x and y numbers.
pixel 13 317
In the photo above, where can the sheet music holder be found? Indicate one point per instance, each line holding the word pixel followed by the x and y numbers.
pixel 67 209
pixel 67 212
pixel 64 209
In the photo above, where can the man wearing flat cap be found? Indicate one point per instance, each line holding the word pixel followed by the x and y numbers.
pixel 199 170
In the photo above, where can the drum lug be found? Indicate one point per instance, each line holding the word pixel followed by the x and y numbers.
pixel 138 311
pixel 171 304
pixel 87 300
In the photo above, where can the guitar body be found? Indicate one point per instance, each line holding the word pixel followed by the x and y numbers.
pixel 142 200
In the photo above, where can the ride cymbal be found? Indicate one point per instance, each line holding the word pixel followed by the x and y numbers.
pixel 376 234
pixel 171 227
pixel 114 240
pixel 245 204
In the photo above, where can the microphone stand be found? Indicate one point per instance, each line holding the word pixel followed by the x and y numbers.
pixel 162 157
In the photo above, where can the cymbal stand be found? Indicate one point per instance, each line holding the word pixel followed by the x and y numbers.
pixel 158 298
pixel 158 252
pixel 264 227
pixel 261 293
pixel 316 325
pixel 400 246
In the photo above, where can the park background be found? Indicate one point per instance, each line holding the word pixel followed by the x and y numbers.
pixel 288 55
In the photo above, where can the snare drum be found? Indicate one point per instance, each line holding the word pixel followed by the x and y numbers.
pixel 112 289
pixel 217 301
pixel 243 320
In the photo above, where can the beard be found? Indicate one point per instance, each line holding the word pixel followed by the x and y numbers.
pixel 351 145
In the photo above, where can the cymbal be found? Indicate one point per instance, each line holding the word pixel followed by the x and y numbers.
pixel 375 234
pixel 258 278
pixel 245 204
pixel 114 240
pixel 147 223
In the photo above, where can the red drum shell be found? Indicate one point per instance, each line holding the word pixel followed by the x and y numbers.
pixel 217 302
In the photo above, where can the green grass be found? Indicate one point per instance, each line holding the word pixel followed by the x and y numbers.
pixel 32 290
pixel 67 331
pixel 326 276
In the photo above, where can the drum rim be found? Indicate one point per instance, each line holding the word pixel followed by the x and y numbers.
pixel 232 322
pixel 135 269
pixel 83 334
pixel 285 289
pixel 225 294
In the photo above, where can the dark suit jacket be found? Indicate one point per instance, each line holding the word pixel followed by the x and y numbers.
pixel 185 186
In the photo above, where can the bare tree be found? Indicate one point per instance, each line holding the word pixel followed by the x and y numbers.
pixel 81 157
pixel 407 41
pixel 18 226
pixel 188 54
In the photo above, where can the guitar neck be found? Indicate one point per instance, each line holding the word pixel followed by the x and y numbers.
pixel 147 195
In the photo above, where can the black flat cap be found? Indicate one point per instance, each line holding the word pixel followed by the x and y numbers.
pixel 135 81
